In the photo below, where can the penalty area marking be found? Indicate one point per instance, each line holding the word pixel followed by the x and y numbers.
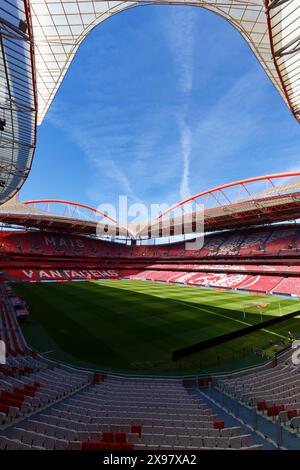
pixel 228 318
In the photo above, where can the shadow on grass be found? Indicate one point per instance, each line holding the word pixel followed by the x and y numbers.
pixel 100 326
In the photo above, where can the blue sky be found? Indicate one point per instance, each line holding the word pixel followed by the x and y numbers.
pixel 160 103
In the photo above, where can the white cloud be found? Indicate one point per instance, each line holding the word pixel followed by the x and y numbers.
pixel 180 29
pixel 225 132
pixel 289 169
pixel 186 143
pixel 96 144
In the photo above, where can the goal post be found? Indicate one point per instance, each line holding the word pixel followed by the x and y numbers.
pixel 255 306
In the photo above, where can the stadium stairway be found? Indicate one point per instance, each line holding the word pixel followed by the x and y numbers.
pixel 228 415
pixel 235 413
pixel 101 409
pixel 282 281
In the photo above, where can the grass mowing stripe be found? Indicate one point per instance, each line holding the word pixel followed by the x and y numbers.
pixel 134 326
pixel 211 312
pixel 220 297
pixel 225 316
pixel 229 318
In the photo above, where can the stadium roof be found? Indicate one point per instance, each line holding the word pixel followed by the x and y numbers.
pixel 65 216
pixel 39 39
pixel 231 206
pixel 18 103
pixel 271 28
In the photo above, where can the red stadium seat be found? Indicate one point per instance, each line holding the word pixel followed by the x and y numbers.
pixel 113 446
pixel 101 446
pixel 120 437
pixel 4 408
pixel 89 446
pixel 279 408
pixel 261 406
pixel 292 414
pixel 219 425
pixel 272 411
pixel 136 429
pixel 108 436
pixel 127 446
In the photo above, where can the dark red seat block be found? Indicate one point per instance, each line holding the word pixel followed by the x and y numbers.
pixel 108 437
pixel 10 402
pixel 120 437
pixel 219 424
pixel 204 382
pixel 113 446
pixel 101 445
pixel 4 409
pixel 279 408
pixel 13 396
pixel 99 378
pixel 261 405
pixel 127 446
pixel 89 446
pixel 136 429
pixel 292 414
pixel 272 411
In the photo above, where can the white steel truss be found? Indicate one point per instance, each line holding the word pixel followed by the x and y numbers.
pixel 17 96
pixel 269 27
pixel 39 39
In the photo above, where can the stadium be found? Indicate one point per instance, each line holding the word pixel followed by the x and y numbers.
pixel 175 334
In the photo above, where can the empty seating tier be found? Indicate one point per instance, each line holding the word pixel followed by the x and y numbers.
pixel 124 414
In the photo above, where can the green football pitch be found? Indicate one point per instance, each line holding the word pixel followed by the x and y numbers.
pixel 135 326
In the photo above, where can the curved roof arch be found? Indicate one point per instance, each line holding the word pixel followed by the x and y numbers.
pixel 18 99
pixel 271 179
pixel 255 201
pixel 75 205
pixel 270 27
pixel 61 215
pixel 252 201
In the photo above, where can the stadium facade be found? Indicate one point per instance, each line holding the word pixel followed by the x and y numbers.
pixel 252 245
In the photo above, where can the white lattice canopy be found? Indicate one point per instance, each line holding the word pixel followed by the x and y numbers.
pixel 39 39
pixel 270 28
